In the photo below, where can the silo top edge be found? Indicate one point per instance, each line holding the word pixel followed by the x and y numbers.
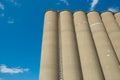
pixel 117 13
pixel 82 11
pixel 93 12
pixel 50 11
pixel 107 12
pixel 78 12
pixel 65 11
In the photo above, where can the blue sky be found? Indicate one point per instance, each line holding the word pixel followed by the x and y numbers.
pixel 21 27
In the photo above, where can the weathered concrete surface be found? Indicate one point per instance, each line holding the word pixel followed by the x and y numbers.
pixel 117 16
pixel 88 55
pixel 70 57
pixel 80 46
pixel 108 60
pixel 113 31
pixel 49 55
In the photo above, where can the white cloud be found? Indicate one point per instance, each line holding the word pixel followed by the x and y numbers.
pixel 14 2
pixel 5 69
pixel 2 6
pixel 65 2
pixel 10 20
pixel 93 4
pixel 113 9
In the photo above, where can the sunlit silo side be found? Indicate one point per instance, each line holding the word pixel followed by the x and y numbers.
pixel 88 55
pixel 49 55
pixel 117 16
pixel 80 46
pixel 108 60
pixel 70 57
pixel 113 31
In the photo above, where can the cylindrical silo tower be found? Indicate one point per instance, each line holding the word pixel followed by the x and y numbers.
pixel 113 31
pixel 88 55
pixel 49 55
pixel 107 57
pixel 117 16
pixel 70 58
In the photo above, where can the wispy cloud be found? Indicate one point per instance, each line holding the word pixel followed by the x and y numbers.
pixel 93 4
pixel 65 2
pixel 10 20
pixel 2 6
pixel 114 9
pixel 14 2
pixel 5 69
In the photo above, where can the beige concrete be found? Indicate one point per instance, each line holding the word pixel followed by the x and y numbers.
pixel 80 46
pixel 60 52
pixel 117 16
pixel 49 58
pixel 113 31
pixel 70 57
pixel 88 55
pixel 109 63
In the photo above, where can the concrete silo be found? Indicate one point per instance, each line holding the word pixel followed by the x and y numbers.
pixel 113 31
pixel 80 46
pixel 117 16
pixel 49 55
pixel 70 58
pixel 88 55
pixel 108 60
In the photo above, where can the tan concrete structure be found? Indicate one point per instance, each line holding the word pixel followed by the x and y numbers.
pixel 80 46
pixel 104 48
pixel 88 55
pixel 70 57
pixel 49 57
pixel 117 16
pixel 113 32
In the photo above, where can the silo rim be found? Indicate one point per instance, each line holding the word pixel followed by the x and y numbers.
pixel 94 11
pixel 50 10
pixel 79 11
pixel 65 10
pixel 106 12
pixel 116 13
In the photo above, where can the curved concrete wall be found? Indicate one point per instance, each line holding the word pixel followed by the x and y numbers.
pixel 49 55
pixel 104 48
pixel 70 57
pixel 113 32
pixel 80 46
pixel 88 55
pixel 117 16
